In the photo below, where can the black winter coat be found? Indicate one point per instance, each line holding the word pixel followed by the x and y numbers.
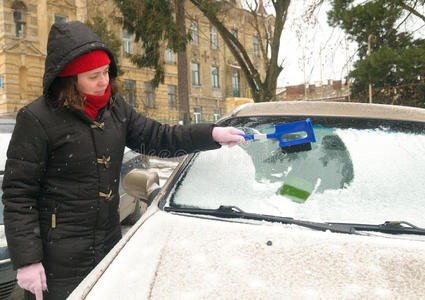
pixel 62 173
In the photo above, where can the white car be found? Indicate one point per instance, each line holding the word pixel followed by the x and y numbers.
pixel 343 220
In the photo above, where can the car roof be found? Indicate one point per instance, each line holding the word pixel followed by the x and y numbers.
pixel 331 109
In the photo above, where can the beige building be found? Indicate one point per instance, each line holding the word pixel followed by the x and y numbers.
pixel 214 77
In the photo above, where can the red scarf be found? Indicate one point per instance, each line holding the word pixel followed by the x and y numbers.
pixel 94 103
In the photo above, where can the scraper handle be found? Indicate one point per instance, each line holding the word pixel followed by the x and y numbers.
pixel 256 136
pixel 247 137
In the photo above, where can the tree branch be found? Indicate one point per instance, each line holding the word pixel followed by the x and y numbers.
pixel 412 10
pixel 232 43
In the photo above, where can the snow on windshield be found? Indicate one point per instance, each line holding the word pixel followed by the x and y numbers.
pixel 384 179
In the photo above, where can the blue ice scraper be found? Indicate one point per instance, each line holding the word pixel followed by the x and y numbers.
pixel 293 137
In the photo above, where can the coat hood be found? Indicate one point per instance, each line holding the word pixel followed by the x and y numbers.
pixel 66 42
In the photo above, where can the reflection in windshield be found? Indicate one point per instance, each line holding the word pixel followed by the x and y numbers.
pixel 350 175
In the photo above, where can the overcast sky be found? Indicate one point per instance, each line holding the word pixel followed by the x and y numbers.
pixel 324 48
pixel 326 52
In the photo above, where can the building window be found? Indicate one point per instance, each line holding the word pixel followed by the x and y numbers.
pixel 235 84
pixel 217 114
pixel 214 77
pixel 19 12
pixel 169 55
pixel 60 19
pixel 130 91
pixel 149 96
pixel 234 33
pixel 172 105
pixel 214 38
pixel 255 47
pixel 193 30
pixel 195 74
pixel 197 114
pixel 19 22
pixel 127 42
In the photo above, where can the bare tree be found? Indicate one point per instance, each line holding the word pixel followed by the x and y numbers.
pixel 268 29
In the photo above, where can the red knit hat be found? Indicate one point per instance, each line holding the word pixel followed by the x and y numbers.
pixel 86 62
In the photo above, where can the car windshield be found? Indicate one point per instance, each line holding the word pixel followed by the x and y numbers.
pixel 358 170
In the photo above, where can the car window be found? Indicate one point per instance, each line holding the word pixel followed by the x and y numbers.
pixel 357 171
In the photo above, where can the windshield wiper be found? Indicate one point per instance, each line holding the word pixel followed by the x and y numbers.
pixel 391 227
pixel 236 212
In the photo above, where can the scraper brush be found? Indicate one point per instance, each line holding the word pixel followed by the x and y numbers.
pixel 288 135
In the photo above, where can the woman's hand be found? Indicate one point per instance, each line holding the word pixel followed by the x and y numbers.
pixel 228 136
pixel 33 279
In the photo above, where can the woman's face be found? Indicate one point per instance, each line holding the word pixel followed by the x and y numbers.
pixel 93 82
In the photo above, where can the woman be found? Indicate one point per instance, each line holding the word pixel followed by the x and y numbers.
pixel 64 159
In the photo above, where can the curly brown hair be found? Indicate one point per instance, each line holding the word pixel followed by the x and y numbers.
pixel 64 93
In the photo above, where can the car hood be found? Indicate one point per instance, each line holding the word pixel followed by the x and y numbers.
pixel 174 256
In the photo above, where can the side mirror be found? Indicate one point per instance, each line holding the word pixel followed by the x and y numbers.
pixel 141 184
